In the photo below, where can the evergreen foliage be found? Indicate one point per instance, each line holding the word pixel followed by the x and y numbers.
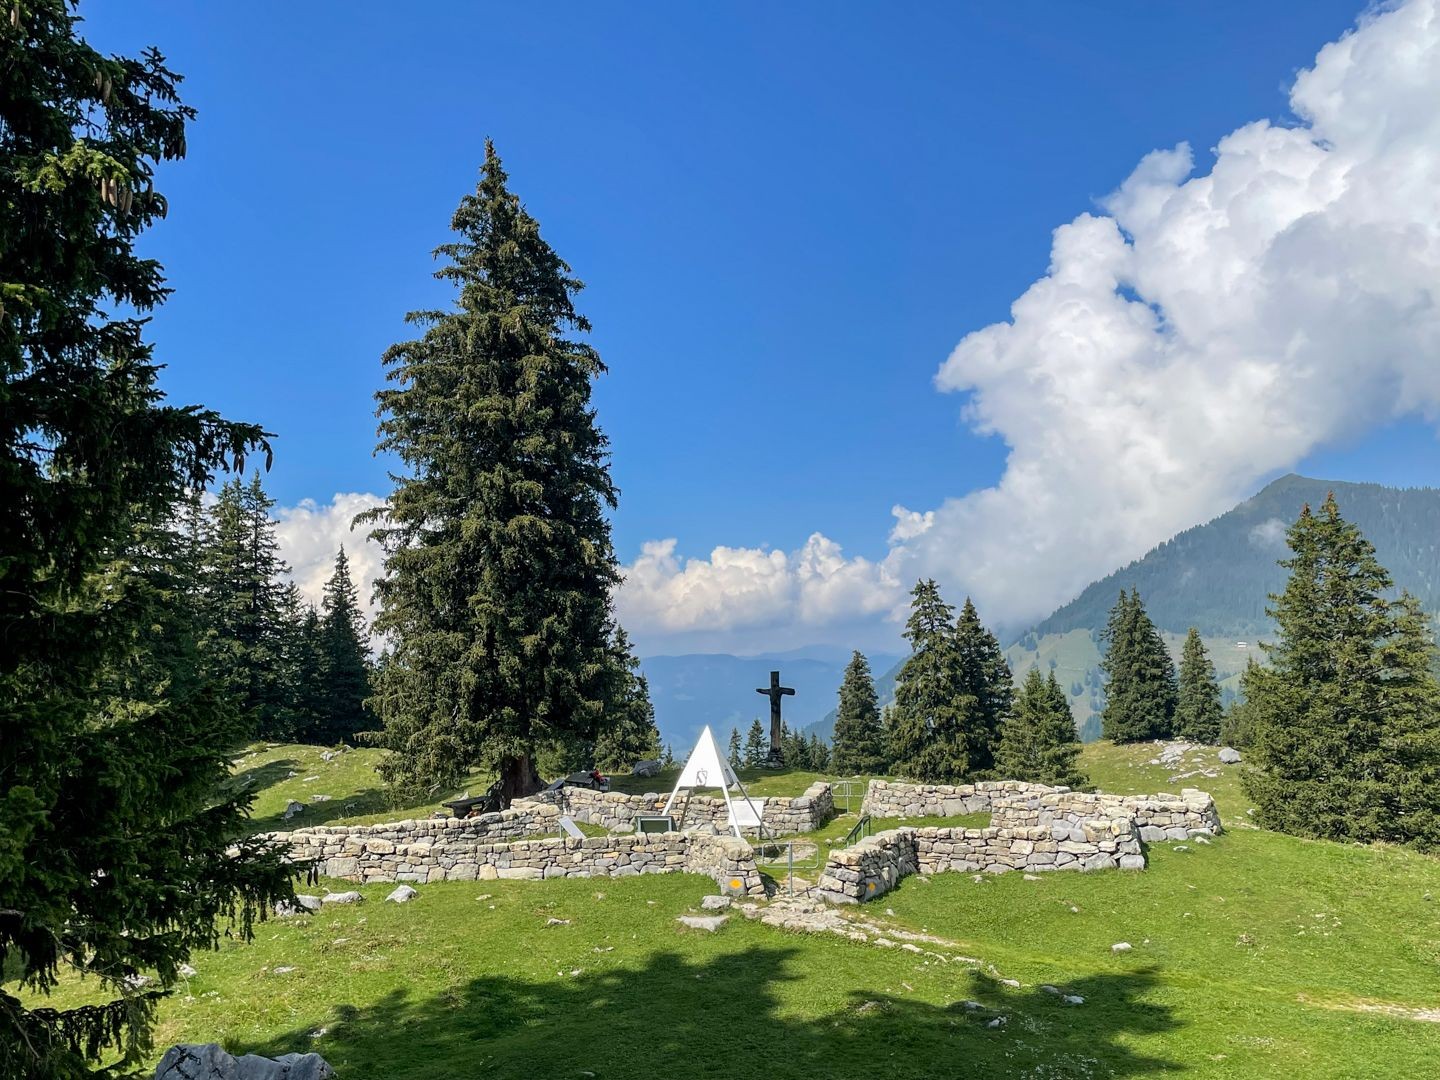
pixel 859 741
pixel 113 739
pixel 629 733
pixel 1197 703
pixel 734 749
pixel 928 740
pixel 756 745
pixel 1038 742
pixel 244 623
pixel 1237 725
pixel 499 565
pixel 1140 687
pixel 985 677
pixel 345 669
pixel 1346 719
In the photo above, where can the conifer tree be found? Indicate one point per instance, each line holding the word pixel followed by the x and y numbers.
pixel 756 749
pixel 985 677
pixel 930 716
pixel 344 660
pixel 1237 725
pixel 499 564
pixel 859 740
pixel 629 733
pixel 817 754
pixel 113 740
pixel 1140 676
pixel 1346 739
pixel 1197 707
pixel 734 753
pixel 1038 742
pixel 244 621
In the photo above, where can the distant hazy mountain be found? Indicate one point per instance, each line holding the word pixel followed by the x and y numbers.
pixel 1217 577
pixel 718 689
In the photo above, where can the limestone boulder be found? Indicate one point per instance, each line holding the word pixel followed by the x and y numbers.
pixel 210 1061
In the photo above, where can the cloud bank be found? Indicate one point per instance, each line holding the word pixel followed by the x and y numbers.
pixel 310 535
pixel 1199 334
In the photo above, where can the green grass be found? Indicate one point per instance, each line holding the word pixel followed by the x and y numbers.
pixel 1126 770
pixel 1257 955
pixel 280 773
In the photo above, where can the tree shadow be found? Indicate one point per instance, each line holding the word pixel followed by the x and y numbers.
pixel 253 781
pixel 724 1019
pixel 372 800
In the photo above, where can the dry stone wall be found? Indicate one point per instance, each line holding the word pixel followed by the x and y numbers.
pixel 1013 803
pixel 1033 828
pixel 875 865
pixel 425 851
pixel 617 811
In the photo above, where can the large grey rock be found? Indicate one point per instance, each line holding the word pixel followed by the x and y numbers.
pixel 646 768
pixel 403 894
pixel 292 808
pixel 1229 755
pixel 715 903
pixel 210 1061
pixel 351 897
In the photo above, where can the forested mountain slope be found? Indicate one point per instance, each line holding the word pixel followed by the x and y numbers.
pixel 1216 576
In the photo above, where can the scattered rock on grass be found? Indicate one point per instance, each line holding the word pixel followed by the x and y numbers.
pixel 403 894
pixel 714 903
pixel 348 897
pixel 1229 755
pixel 1121 947
pixel 704 922
pixel 211 1062
pixel 1073 999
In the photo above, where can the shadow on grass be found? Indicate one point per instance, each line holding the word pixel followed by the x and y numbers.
pixel 253 781
pixel 725 1019
pixel 356 804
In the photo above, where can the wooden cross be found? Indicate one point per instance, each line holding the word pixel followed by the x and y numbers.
pixel 775 692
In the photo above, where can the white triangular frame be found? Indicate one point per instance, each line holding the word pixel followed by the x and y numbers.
pixel 703 760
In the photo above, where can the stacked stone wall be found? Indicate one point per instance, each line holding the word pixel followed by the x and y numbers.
pixel 1013 803
pixel 875 865
pixel 617 811
pixel 418 851
pixel 893 799
pixel 869 868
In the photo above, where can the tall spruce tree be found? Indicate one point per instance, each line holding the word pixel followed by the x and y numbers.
pixel 734 749
pixel 1197 706
pixel 113 742
pixel 345 669
pixel 1140 687
pixel 931 714
pixel 245 623
pixel 629 733
pixel 985 677
pixel 756 749
pixel 859 741
pixel 498 565
pixel 1346 719
pixel 1038 742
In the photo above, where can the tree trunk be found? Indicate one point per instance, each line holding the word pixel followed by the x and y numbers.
pixel 518 777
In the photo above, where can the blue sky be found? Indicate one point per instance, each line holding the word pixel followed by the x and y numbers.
pixel 787 217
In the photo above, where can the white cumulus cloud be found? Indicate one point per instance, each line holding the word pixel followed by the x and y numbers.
pixel 1197 334
pixel 311 534
pixel 740 591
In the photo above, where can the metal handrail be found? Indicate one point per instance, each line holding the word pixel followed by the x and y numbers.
pixel 858 831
